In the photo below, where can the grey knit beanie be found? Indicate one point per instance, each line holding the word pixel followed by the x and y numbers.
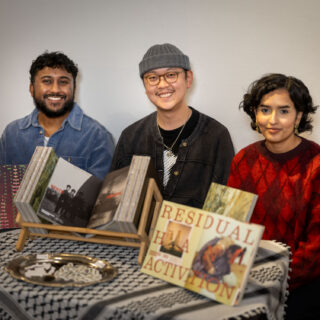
pixel 163 56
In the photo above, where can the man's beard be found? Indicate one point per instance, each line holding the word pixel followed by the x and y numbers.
pixel 41 106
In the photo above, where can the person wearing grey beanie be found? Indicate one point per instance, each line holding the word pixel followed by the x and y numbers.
pixel 161 56
pixel 189 149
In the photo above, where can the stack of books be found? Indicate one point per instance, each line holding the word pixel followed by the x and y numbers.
pixel 55 191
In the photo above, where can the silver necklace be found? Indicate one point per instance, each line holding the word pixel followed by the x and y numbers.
pixel 169 152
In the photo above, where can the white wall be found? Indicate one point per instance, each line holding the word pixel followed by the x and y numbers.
pixel 230 44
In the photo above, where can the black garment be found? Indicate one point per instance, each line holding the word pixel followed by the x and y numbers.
pixel 63 202
pixel 204 156
pixel 78 212
pixel 303 302
pixel 169 136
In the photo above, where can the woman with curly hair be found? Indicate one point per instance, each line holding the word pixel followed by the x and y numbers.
pixel 284 170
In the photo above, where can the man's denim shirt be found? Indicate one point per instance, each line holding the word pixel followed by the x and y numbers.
pixel 81 140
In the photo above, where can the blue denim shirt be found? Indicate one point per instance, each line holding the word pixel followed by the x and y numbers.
pixel 81 140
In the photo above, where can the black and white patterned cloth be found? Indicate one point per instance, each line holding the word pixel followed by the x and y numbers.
pixel 133 294
pixel 169 160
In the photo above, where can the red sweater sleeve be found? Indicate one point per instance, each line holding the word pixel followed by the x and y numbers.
pixel 306 257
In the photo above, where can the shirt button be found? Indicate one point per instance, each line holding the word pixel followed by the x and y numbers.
pixel 184 143
pixel 176 173
pixel 41 132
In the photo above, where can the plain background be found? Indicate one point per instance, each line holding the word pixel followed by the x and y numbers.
pixel 230 44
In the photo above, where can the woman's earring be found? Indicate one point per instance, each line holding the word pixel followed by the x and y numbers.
pixel 296 131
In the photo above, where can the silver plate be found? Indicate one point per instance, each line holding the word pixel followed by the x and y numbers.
pixel 41 269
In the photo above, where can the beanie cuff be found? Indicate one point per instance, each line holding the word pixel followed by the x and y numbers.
pixel 164 61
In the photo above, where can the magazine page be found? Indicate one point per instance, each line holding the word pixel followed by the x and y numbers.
pixel 109 198
pixel 223 258
pixel 230 202
pixel 174 242
pixel 70 195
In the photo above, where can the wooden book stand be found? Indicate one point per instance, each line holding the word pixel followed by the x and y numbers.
pixel 139 240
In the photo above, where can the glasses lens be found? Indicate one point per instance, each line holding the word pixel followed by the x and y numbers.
pixel 153 79
pixel 171 76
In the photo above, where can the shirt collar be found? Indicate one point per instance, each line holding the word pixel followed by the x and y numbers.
pixel 74 119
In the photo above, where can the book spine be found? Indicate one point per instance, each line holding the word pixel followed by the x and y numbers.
pixel 140 192
pixel 129 186
pixel 34 179
pixel 34 172
pixel 34 164
pixel 35 219
pixel 131 204
pixel 46 170
pixel 134 195
pixel 131 189
pixel 35 157
pixel 253 204
pixel 49 159
pixel 24 215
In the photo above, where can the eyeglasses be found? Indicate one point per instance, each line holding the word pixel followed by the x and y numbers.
pixel 170 76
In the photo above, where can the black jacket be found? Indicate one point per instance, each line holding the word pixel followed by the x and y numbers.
pixel 203 157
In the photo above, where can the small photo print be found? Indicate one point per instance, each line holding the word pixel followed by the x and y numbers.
pixel 175 239
pixel 217 259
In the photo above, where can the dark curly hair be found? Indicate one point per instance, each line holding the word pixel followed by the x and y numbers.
pixel 54 59
pixel 298 93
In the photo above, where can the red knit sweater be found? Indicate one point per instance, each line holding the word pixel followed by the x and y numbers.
pixel 288 186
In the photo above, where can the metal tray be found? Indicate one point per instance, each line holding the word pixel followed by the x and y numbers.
pixel 61 269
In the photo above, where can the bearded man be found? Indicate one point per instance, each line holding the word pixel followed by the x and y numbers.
pixel 57 121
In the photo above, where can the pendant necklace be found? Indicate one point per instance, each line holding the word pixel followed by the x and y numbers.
pixel 169 152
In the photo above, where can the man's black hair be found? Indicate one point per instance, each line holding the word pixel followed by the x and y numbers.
pixel 54 59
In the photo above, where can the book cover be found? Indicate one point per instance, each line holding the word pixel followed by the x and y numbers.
pixel 109 198
pixel 69 196
pixel 230 202
pixel 10 180
pixel 202 251
pixel 174 242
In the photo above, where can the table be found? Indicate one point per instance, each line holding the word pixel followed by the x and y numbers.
pixel 133 294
